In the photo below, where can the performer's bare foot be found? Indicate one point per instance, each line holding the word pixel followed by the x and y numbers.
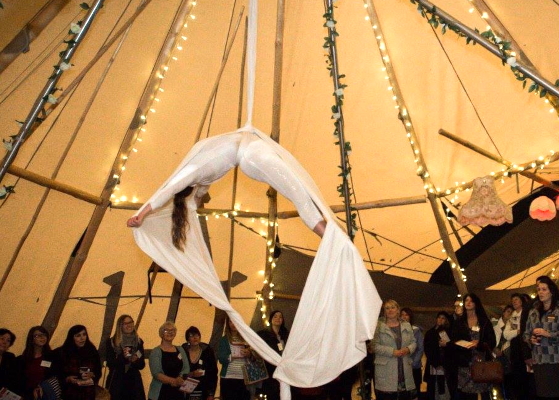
pixel 320 228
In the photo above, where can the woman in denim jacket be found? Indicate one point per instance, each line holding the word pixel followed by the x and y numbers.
pixel 542 332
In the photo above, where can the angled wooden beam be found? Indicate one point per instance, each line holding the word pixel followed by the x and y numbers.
pixel 53 184
pixel 498 159
pixel 76 262
pixel 422 170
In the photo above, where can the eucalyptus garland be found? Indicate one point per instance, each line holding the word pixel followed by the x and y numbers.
pixel 63 65
pixel 504 46
pixel 5 190
pixel 344 189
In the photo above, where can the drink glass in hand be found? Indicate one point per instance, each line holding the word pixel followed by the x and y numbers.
pixel 84 373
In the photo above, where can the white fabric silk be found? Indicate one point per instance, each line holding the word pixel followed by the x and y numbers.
pixel 339 305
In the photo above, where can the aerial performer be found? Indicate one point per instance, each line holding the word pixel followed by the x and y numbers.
pixel 210 160
pixel 339 305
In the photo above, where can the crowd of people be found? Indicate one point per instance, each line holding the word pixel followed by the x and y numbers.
pixel 525 340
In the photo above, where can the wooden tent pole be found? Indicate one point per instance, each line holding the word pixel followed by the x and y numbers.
pixel 271 193
pixel 20 43
pixel 146 297
pixel 503 32
pixel 75 264
pixel 236 170
pixel 497 158
pixel 422 170
pixel 53 184
pixel 124 205
pixel 216 84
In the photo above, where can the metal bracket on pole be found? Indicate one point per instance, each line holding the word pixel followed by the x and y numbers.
pixel 49 88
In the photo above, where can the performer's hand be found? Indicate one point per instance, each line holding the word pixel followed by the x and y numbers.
pixel 134 222
pixel 137 220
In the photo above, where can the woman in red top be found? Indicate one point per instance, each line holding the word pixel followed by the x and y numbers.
pixel 35 363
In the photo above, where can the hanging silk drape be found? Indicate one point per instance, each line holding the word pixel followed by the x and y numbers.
pixel 339 305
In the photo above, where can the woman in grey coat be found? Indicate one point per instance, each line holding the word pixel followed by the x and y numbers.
pixel 393 344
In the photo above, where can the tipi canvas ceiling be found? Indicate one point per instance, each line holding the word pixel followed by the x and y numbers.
pixel 444 82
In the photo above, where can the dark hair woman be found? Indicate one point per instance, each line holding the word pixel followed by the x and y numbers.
pixel 203 366
pixel 125 359
pixel 35 364
pixel 7 360
pixel 406 314
pixel 542 331
pixel 276 337
pixel 232 353
pixel 475 328
pixel 78 365
pixel 435 343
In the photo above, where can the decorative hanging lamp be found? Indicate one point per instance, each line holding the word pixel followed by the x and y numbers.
pixel 484 207
pixel 543 209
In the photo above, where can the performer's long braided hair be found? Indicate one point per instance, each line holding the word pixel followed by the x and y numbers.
pixel 179 217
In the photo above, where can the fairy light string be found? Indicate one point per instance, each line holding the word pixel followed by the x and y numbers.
pixel 151 106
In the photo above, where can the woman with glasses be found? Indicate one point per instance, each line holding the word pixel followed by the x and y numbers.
pixel 35 364
pixel 203 366
pixel 168 365
pixel 125 359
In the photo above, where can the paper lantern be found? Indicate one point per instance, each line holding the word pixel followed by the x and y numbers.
pixel 542 208
pixel 484 207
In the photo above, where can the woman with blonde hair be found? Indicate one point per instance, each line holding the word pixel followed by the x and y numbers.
pixel 168 365
pixel 125 359
pixel 393 344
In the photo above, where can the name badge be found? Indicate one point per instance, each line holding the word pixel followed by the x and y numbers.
pixel 179 356
pixel 280 346
pixel 46 363
pixel 475 328
pixel 139 354
pixel 201 362
pixel 551 318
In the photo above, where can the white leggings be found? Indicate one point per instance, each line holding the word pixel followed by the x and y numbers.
pixel 218 154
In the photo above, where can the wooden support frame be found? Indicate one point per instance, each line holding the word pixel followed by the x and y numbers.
pixel 498 159
pixel 75 264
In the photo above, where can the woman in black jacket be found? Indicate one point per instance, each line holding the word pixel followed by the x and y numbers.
pixel 77 365
pixel 435 347
pixel 203 365
pixel 476 332
pixel 276 337
pixel 125 359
